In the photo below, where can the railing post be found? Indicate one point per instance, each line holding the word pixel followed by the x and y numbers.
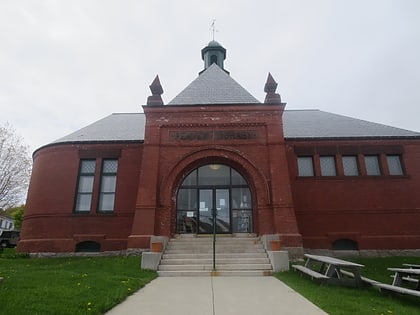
pixel 214 239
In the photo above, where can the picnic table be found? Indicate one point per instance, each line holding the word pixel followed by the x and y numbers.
pixel 412 266
pixel 331 270
pixel 401 277
pixel 402 274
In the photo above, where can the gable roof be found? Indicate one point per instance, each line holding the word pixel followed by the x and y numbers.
pixel 213 86
pixel 298 124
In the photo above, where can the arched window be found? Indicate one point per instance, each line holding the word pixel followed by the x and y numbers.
pixel 214 198
pixel 213 59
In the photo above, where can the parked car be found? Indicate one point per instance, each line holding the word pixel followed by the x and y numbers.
pixel 9 238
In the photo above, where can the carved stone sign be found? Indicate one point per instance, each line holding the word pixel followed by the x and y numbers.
pixel 212 135
pixel 235 134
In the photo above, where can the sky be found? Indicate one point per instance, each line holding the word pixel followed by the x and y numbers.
pixel 66 64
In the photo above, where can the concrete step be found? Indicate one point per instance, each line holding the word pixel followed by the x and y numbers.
pixel 218 266
pixel 206 273
pixel 218 239
pixel 210 255
pixel 225 247
pixel 219 261
pixel 193 256
pixel 218 250
pixel 207 236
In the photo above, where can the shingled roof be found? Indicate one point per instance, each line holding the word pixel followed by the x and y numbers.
pixel 213 87
pixel 311 124
pixel 298 124
pixel 115 127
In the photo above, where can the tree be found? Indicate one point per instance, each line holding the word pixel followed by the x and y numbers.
pixel 17 215
pixel 15 167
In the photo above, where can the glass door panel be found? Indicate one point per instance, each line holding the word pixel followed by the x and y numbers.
pixel 223 211
pixel 241 210
pixel 205 209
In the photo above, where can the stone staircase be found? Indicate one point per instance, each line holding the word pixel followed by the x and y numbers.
pixel 235 256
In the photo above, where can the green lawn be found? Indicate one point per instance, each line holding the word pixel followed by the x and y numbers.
pixel 337 300
pixel 67 285
pixel 94 285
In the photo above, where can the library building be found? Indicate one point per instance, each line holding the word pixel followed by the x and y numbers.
pixel 215 160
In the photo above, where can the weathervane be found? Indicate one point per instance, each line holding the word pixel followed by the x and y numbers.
pixel 213 28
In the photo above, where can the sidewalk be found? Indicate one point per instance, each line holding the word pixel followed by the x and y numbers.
pixel 216 296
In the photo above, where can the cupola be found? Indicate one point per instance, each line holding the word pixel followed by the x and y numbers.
pixel 213 53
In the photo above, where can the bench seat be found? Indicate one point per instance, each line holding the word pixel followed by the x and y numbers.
pixel 408 279
pixel 309 272
pixel 364 279
pixel 388 287
pixel 412 266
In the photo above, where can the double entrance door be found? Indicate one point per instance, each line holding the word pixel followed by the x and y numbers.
pixel 214 198
pixel 214 211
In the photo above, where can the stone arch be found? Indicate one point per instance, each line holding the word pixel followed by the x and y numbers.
pixel 222 155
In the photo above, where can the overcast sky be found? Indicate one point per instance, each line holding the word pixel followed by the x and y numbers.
pixel 65 64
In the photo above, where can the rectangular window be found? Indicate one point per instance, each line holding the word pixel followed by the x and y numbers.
pixel 372 165
pixel 305 166
pixel 328 165
pixel 394 165
pixel 108 185
pixel 85 186
pixel 350 165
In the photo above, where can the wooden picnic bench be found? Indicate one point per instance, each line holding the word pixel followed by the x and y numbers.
pixel 331 270
pixel 401 275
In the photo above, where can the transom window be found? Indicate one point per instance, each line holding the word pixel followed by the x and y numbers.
pixel 372 165
pixel 305 166
pixel 350 165
pixel 327 165
pixel 394 165
pixel 384 164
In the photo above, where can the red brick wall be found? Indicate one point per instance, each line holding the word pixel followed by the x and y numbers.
pixel 173 148
pixel 50 225
pixel 378 212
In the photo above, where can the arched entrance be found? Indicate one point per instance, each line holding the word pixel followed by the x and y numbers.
pixel 214 195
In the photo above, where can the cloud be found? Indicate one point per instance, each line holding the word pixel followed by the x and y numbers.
pixel 66 64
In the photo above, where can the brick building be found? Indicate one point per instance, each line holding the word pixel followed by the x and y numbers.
pixel 216 158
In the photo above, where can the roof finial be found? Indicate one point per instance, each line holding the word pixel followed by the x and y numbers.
pixel 213 27
pixel 270 88
pixel 157 91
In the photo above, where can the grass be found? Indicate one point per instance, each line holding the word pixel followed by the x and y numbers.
pixel 67 285
pixel 337 300
pixel 94 285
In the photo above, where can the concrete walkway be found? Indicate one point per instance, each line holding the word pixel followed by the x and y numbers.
pixel 216 296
